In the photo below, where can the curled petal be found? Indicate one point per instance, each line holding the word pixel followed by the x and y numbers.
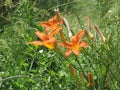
pixel 83 44
pixel 36 43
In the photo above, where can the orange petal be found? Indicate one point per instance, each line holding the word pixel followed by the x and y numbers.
pixel 56 19
pixel 41 35
pixel 83 44
pixel 66 44
pixel 62 36
pixel 52 20
pixel 55 31
pixel 76 52
pixel 59 20
pixel 45 24
pixel 68 52
pixel 73 39
pixel 47 29
pixel 51 44
pixel 80 35
pixel 36 43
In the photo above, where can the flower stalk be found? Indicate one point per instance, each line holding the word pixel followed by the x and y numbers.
pixel 100 33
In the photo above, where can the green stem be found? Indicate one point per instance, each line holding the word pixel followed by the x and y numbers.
pixel 113 75
pixel 91 64
pixel 81 67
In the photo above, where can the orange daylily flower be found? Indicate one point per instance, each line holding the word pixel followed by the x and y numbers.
pixel 75 44
pixel 53 24
pixel 49 42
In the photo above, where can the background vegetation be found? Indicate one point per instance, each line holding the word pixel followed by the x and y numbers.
pixel 25 67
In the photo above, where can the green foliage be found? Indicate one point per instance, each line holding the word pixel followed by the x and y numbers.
pixel 24 66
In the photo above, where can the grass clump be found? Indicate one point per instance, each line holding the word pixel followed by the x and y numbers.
pixel 25 66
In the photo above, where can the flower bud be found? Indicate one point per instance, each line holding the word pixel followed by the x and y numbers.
pixel 90 79
pixel 100 33
pixel 72 71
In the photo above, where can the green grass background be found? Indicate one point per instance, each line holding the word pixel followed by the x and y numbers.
pixel 24 67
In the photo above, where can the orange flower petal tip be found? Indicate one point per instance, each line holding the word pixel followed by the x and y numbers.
pixel 36 43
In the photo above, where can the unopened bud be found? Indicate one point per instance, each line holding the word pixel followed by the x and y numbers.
pixel 89 28
pixel 100 33
pixel 90 79
pixel 72 71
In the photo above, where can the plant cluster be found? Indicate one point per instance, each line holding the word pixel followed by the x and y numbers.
pixel 76 45
pixel 66 52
